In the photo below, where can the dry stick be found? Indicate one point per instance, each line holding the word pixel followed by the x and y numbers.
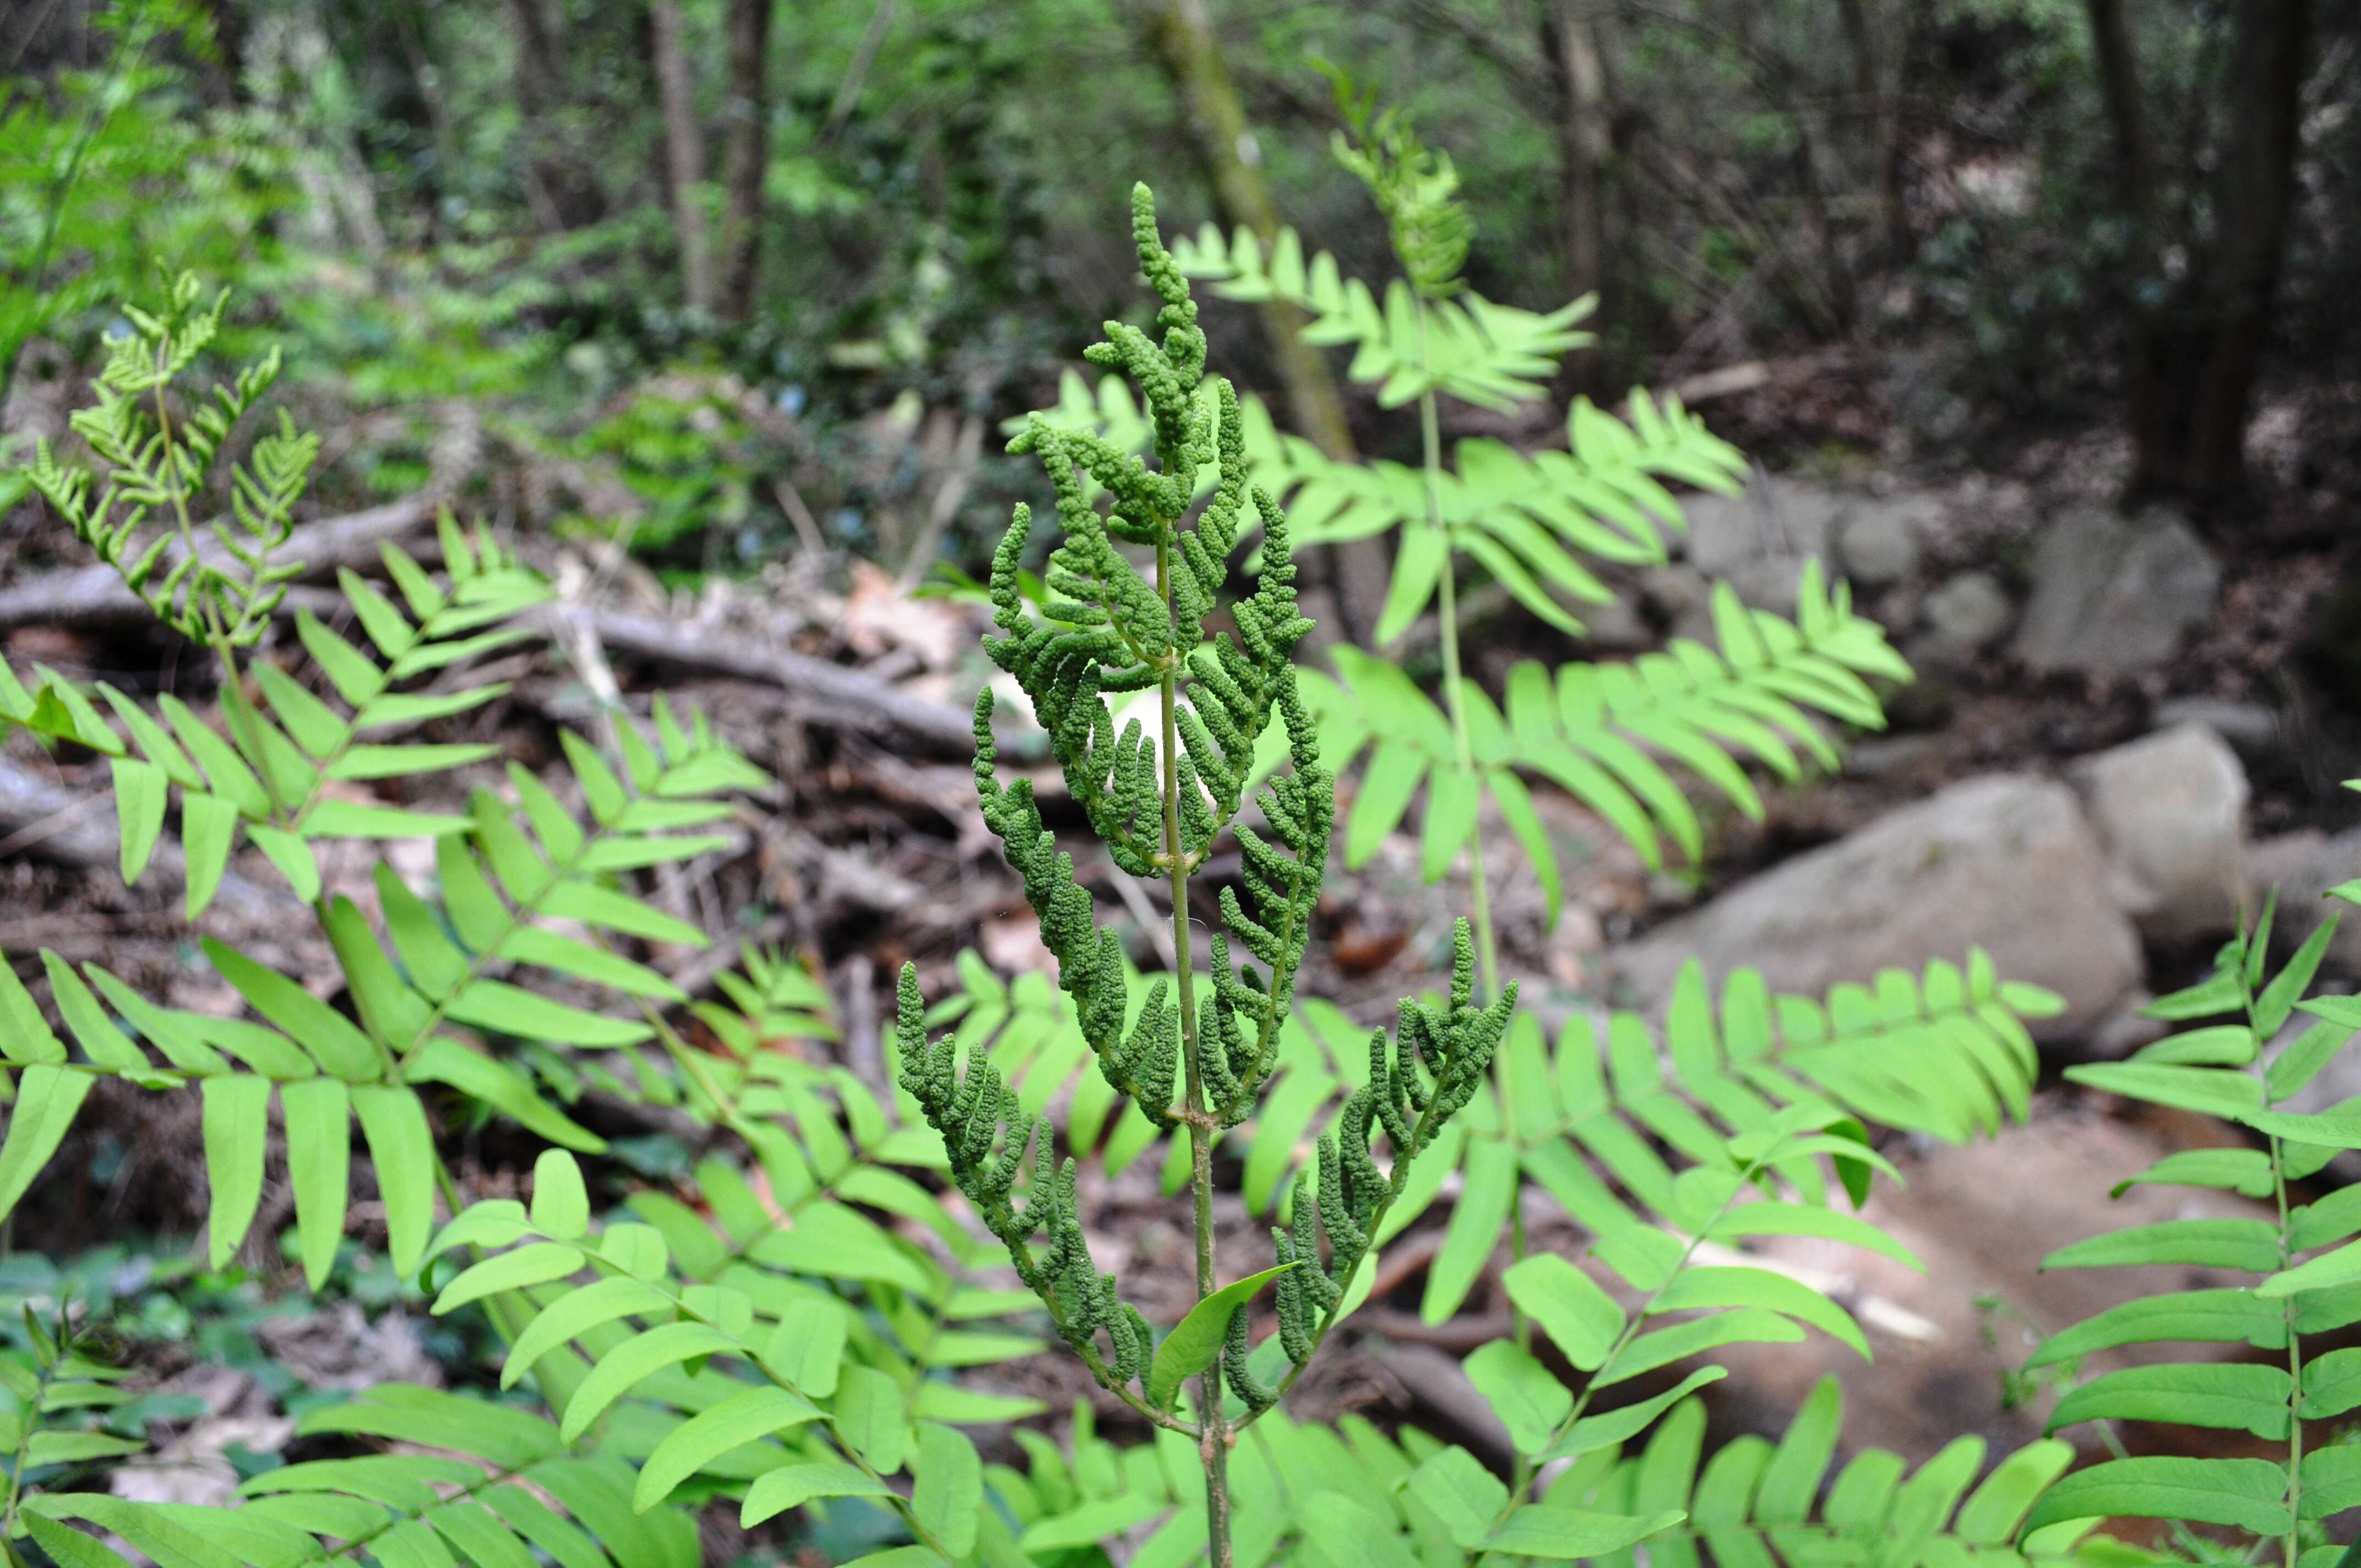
pixel 791 501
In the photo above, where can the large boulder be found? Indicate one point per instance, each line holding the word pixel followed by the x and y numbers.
pixel 2172 810
pixel 2114 595
pixel 2005 861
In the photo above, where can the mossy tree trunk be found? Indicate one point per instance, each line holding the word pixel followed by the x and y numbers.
pixel 1223 140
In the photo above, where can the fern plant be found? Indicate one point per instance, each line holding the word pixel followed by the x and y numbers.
pixel 1158 805
pixel 437 988
pixel 2303 1261
pixel 1595 732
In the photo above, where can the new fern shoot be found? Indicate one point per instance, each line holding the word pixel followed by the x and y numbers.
pixel 1159 803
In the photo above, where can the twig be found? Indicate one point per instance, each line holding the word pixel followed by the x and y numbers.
pixel 864 1043
pixel 791 501
pixel 71 838
pixel 49 826
pixel 1136 900
pixel 965 459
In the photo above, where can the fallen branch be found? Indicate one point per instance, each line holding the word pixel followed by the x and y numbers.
pixel 95 595
pixel 847 698
pixel 47 820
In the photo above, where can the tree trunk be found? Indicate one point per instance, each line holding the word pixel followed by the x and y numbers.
pixel 2190 373
pixel 1570 41
pixel 745 155
pixel 1225 145
pixel 2119 90
pixel 2254 191
pixel 1183 36
pixel 556 184
pixel 1876 73
pixel 684 151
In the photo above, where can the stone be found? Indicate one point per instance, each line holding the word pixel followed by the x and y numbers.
pixel 1772 516
pixel 1963 617
pixel 2114 595
pixel 1682 599
pixel 2005 861
pixel 2301 867
pixel 1879 543
pixel 2172 810
pixel 1981 1217
pixel 2252 730
pixel 1759 540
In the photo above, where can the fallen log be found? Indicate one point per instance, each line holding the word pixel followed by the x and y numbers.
pixel 95 595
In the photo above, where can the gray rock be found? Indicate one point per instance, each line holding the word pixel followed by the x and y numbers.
pixel 2252 730
pixel 2114 595
pixel 1965 615
pixel 2301 867
pixel 1681 597
pixel 2170 809
pixel 1772 518
pixel 1879 543
pixel 2006 862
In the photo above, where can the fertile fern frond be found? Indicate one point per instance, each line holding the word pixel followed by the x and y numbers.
pixel 156 464
pixel 1109 630
pixel 993 1142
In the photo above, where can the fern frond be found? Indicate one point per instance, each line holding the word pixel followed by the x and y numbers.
pixel 1489 355
pixel 269 773
pixel 509 877
pixel 58 1396
pixel 775 1409
pixel 2305 1262
pixel 156 464
pixel 1605 732
pixel 1787 1502
pixel 499 1487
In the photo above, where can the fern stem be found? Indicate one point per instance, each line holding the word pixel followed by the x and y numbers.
pixel 2295 1370
pixel 32 1424
pixel 1430 431
pixel 1212 1440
